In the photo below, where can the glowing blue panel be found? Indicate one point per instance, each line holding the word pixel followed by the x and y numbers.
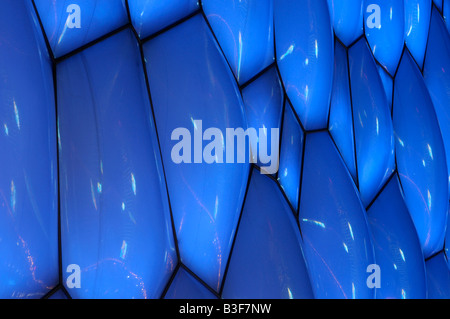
pixel 333 223
pixel 244 29
pixel 190 82
pixel 397 247
pixel 304 45
pixel 436 74
pixel 185 286
pixel 388 84
pixel 417 22
pixel 385 23
pixel 70 24
pixel 115 214
pixel 347 17
pixel 420 156
pixel 150 16
pixel 291 156
pixel 267 259
pixel 341 120
pixel 438 276
pixel 28 176
pixel 263 100
pixel 373 124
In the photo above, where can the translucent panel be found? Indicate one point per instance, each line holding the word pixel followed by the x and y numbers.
pixel 397 248
pixel 373 125
pixel 150 16
pixel 388 84
pixel 193 89
pixel 70 24
pixel 267 259
pixel 263 100
pixel 437 77
pixel 385 30
pixel 291 156
pixel 341 119
pixel 347 18
pixel 115 216
pixel 438 276
pixel 420 156
pixel 304 45
pixel 333 223
pixel 244 29
pixel 28 176
pixel 185 286
pixel 417 22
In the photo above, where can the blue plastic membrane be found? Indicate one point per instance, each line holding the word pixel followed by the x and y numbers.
pixel 437 77
pixel 70 24
pixel 388 84
pixel 420 156
pixel 115 215
pixel 347 19
pixel 417 22
pixel 263 100
pixel 185 286
pixel 438 277
pixel 374 136
pixel 397 248
pixel 304 53
pixel 267 259
pixel 291 154
pixel 151 195
pixel 244 30
pixel 151 16
pixel 190 82
pixel 385 30
pixel 28 174
pixel 341 118
pixel 334 227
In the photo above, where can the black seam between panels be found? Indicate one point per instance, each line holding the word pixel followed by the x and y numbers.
pixel 428 39
pixel 301 178
pixel 171 279
pixel 435 254
pixel 169 27
pixel 60 263
pixel 52 292
pixel 355 157
pixel 400 61
pixel 225 273
pixel 92 43
pixel 41 25
pixel 189 271
pixel 280 140
pixel 55 97
pixel 257 76
pixel 147 83
pixel 393 174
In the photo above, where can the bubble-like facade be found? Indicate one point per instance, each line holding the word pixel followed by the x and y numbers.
pixel 94 95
